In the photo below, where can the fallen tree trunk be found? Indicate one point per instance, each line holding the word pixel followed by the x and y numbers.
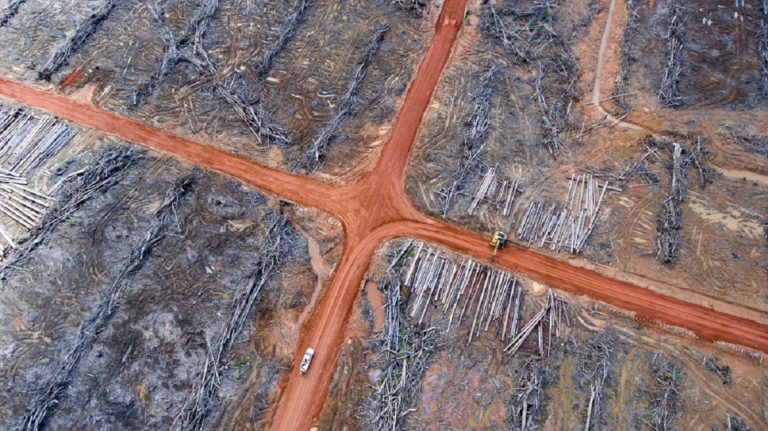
pixel 314 155
pixel 47 401
pixel 83 31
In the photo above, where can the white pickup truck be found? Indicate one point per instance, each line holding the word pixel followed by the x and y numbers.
pixel 306 360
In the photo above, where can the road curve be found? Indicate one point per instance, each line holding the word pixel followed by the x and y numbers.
pixel 377 209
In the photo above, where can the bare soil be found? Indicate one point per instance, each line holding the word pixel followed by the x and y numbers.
pixel 473 387
pixel 142 367
pixel 723 253
pixel 300 92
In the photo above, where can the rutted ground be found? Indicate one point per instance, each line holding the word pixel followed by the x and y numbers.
pixel 478 386
pixel 723 251
pixel 297 85
pixel 391 209
pixel 173 304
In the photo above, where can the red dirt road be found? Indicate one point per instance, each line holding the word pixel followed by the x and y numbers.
pixel 377 209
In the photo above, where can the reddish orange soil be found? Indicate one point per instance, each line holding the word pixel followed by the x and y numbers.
pixel 377 209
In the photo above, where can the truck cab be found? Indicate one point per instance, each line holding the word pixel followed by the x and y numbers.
pixel 306 361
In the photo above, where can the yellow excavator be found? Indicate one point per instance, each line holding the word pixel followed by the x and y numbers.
pixel 498 240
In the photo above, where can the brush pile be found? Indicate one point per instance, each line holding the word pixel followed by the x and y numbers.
pixel 56 385
pixel 76 39
pixel 669 92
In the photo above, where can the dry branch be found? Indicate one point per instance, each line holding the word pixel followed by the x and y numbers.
pixel 285 34
pixel 316 152
pixel 47 401
pixel 278 241
pixel 9 11
pixel 669 92
pixel 81 34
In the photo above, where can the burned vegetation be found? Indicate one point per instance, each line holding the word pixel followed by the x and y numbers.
pixel 452 343
pixel 302 85
pixel 132 301
pixel 708 54
pixel 507 112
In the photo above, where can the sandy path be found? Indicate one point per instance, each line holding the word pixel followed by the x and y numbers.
pixel 377 209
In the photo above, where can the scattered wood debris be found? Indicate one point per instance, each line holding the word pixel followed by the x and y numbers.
pixel 56 385
pixel 670 223
pixel 76 39
pixel 406 351
pixel 552 133
pixel 475 136
pixel 629 42
pixel 664 392
pixel 416 6
pixel 754 144
pixel 176 50
pixel 76 190
pixel 595 358
pixel 286 32
pixel 639 169
pixel 250 110
pixel 9 11
pixel 527 400
pixel 277 242
pixel 314 155
pixel 722 371
pixel 567 228
pixel 529 36
pixel 735 423
pixel 762 50
pixel 669 92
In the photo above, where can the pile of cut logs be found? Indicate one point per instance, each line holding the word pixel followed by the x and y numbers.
pixel 570 226
pixel 496 192
pixel 482 297
pixel 26 143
